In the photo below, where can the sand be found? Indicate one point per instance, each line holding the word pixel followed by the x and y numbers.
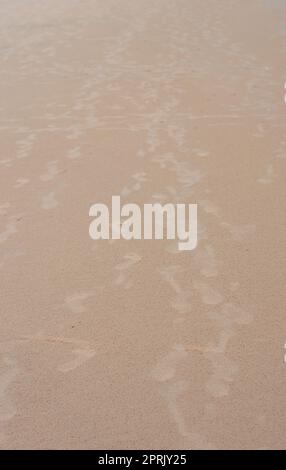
pixel 134 344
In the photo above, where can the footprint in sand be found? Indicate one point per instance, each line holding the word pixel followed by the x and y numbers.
pixel 208 295
pixel 8 372
pixel 193 439
pixel 141 153
pixel 168 274
pixel 139 178
pixel 52 171
pixel 170 194
pixel 10 255
pixel 6 162
pixel 25 146
pixel 240 233
pixel 21 182
pixel 182 300
pixel 182 303
pixel 4 208
pixel 74 153
pixel 161 197
pixel 74 133
pixel 130 260
pixel 82 355
pixel 10 229
pixel 75 302
pixel 224 371
pixel 200 152
pixel 166 368
pixel 188 178
pixel 49 201
pixel 231 313
pixel 269 177
pixel 207 261
pixel 177 133
pixel 166 160
pixel 234 286
pixel 260 131
pixel 209 207
pixel 285 353
pixel 82 349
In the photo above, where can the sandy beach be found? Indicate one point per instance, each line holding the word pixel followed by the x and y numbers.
pixel 117 344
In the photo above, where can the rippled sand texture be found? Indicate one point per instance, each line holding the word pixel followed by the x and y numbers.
pixel 133 344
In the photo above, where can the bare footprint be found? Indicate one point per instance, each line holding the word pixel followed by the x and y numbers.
pixel 130 260
pixel 182 303
pixel 8 232
pixel 83 350
pixel 21 182
pixel 208 262
pixel 82 355
pixel 240 233
pixel 74 153
pixel 52 171
pixel 269 177
pixel 166 368
pixel 75 302
pixel 4 207
pixel 173 394
pixel 139 178
pixel 49 201
pixel 209 207
pixel 224 371
pixel 169 274
pixel 208 295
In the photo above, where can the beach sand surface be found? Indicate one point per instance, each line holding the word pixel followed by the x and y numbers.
pixel 134 344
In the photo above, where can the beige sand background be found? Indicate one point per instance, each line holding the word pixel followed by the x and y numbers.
pixel 134 345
